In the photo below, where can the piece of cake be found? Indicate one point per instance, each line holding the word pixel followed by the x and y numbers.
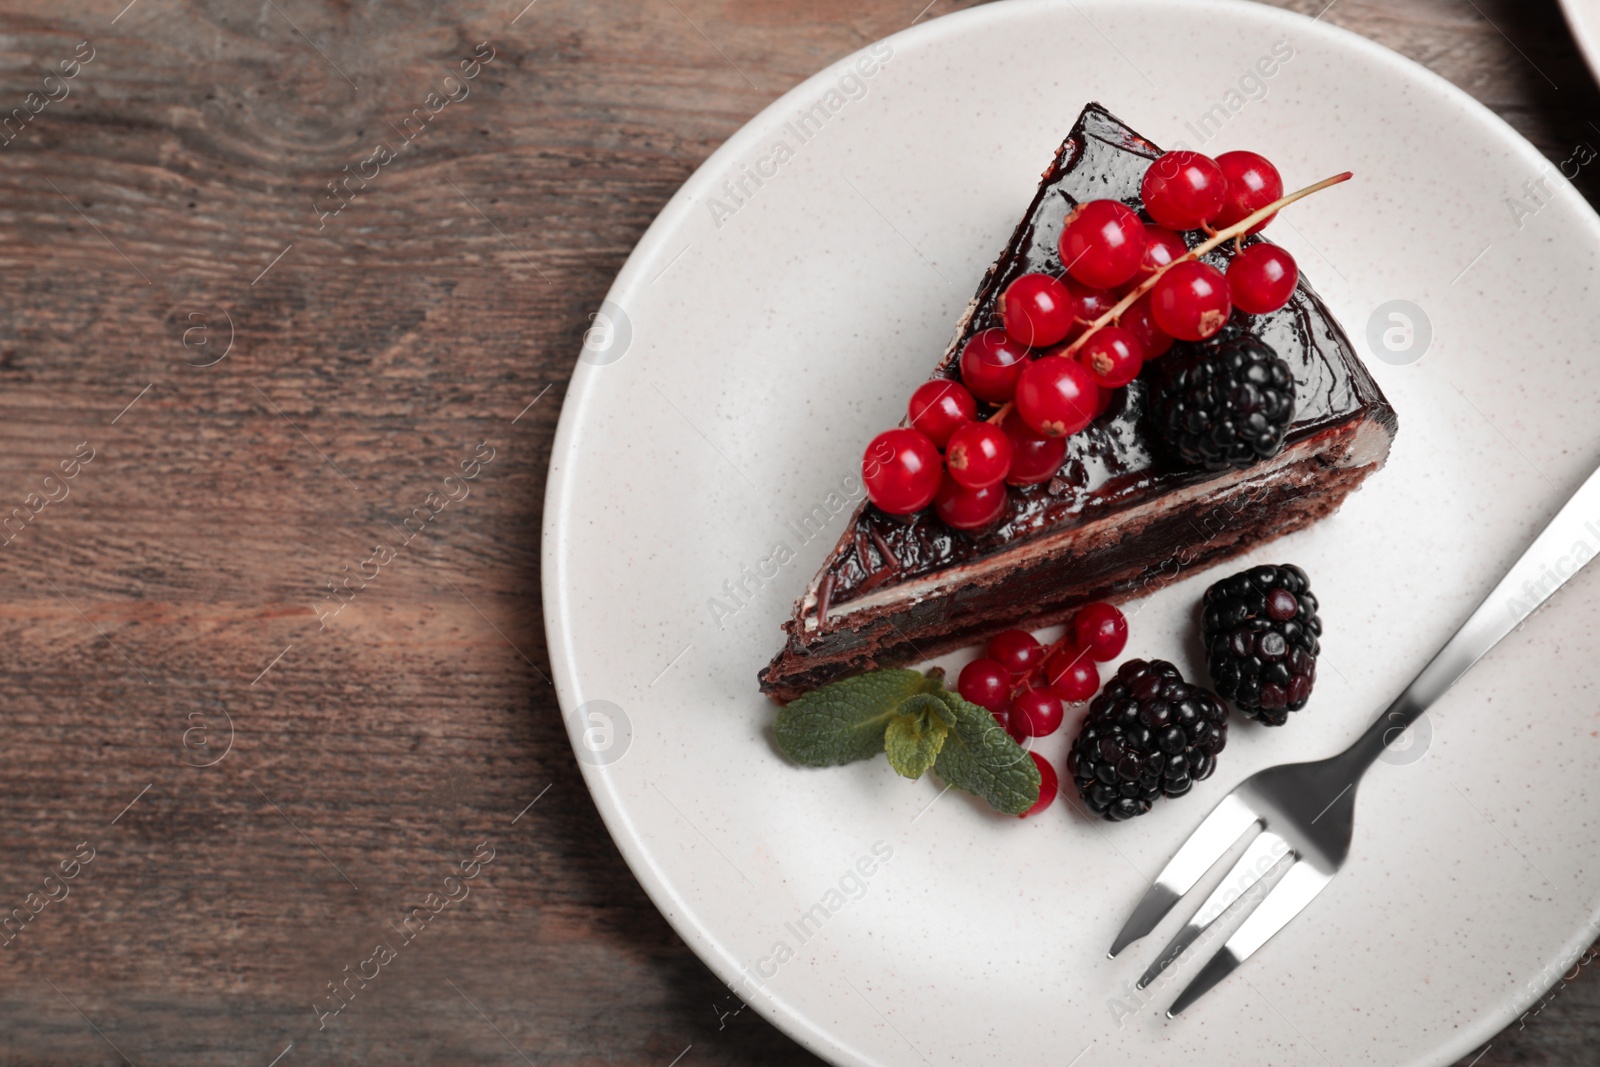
pixel 1121 517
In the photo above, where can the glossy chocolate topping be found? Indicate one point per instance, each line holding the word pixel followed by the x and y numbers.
pixel 1112 463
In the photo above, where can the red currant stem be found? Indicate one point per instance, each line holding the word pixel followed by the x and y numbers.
pixel 1000 413
pixel 1026 682
pixel 1238 229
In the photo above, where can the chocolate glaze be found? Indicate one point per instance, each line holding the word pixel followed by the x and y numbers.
pixel 1111 468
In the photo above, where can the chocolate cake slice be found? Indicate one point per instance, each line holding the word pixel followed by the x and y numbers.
pixel 1120 518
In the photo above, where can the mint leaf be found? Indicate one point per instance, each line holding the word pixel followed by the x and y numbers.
pixel 981 758
pixel 933 700
pixel 918 724
pixel 845 721
pixel 916 734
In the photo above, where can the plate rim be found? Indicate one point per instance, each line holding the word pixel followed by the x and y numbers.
pixel 1584 25
pixel 650 251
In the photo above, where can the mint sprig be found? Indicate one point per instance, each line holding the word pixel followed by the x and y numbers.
pixel 919 725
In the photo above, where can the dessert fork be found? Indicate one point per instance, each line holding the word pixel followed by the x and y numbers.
pixel 1305 812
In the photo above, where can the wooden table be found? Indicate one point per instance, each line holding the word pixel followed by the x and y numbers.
pixel 277 360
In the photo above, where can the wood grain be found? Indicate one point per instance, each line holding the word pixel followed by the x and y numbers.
pixel 165 613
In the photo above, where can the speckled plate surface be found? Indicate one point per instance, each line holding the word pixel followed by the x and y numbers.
pixel 778 313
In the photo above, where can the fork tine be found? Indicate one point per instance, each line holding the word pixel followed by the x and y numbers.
pixel 1263 855
pixel 1287 899
pixel 1225 825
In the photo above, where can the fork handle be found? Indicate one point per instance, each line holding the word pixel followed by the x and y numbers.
pixel 1567 543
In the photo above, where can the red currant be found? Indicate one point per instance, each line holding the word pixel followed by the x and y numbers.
pixel 1036 310
pixel 1162 246
pixel 1035 713
pixel 1191 301
pixel 1035 458
pixel 1049 786
pixel 1262 278
pixel 1140 321
pixel 1102 243
pixel 1183 190
pixel 991 363
pixel 1253 183
pixel 1072 674
pixel 969 509
pixel 1056 396
pixel 1107 397
pixel 985 683
pixel 938 408
pixel 902 471
pixel 1088 303
pixel 979 455
pixel 1112 355
pixel 1101 630
pixel 1017 650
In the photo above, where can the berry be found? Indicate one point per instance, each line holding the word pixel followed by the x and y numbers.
pixel 985 683
pixel 1106 397
pixel 1087 302
pixel 1162 246
pixel 1035 713
pixel 1056 397
pixel 1036 310
pixel 1224 403
pixel 1035 458
pixel 1253 183
pixel 1140 321
pixel 1102 243
pixel 1015 650
pixel 1072 674
pixel 1262 278
pixel 966 509
pixel 978 455
pixel 1190 301
pixel 902 471
pixel 991 363
pixel 938 408
pixel 1150 734
pixel 1101 630
pixel 1261 629
pixel 1183 190
pixel 1113 357
pixel 1049 786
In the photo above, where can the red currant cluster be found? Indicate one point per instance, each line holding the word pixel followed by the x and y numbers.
pixel 1066 343
pixel 1026 686
pixel 1186 191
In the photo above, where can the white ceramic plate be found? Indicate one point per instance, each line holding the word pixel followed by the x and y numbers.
pixel 757 338
pixel 1583 16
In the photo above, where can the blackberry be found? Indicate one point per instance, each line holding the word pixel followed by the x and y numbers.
pixel 1148 734
pixel 1225 402
pixel 1261 629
